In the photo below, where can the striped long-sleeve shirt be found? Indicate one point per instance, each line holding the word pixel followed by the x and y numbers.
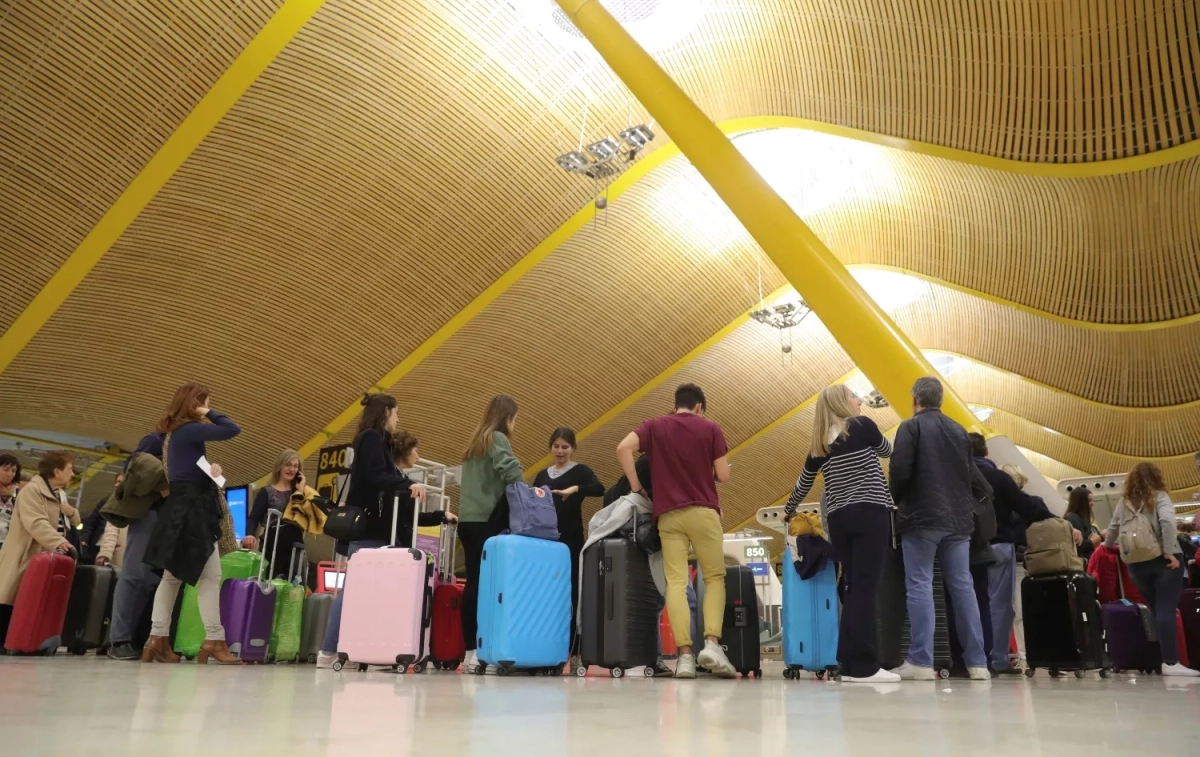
pixel 851 469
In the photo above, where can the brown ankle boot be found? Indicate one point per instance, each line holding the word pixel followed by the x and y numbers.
pixel 217 650
pixel 158 649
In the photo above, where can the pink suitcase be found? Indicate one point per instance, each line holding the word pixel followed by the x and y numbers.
pixel 386 605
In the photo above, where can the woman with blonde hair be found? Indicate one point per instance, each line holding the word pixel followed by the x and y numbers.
pixel 287 480
pixel 1154 564
pixel 845 449
pixel 489 466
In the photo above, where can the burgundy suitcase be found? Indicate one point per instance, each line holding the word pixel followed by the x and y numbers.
pixel 446 645
pixel 41 605
pixel 1189 610
pixel 248 611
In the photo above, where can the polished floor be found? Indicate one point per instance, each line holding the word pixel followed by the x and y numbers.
pixel 75 706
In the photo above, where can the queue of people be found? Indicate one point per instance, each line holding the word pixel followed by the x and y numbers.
pixel 943 500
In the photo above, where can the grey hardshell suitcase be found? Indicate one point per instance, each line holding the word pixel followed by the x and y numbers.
pixel 618 608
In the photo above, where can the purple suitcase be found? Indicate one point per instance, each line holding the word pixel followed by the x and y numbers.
pixel 1130 636
pixel 248 612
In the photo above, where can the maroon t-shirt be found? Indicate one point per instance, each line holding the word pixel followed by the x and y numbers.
pixel 682 448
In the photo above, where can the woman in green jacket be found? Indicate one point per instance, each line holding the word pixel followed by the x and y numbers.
pixel 489 466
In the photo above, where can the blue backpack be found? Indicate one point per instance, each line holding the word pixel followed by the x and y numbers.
pixel 531 511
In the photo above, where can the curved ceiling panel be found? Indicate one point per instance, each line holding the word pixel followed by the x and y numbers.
pixel 88 93
pixel 1059 81
pixel 1149 432
pixel 1138 369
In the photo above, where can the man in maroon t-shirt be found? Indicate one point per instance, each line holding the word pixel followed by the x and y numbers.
pixel 687 455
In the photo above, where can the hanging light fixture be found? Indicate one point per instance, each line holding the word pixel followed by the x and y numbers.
pixel 783 317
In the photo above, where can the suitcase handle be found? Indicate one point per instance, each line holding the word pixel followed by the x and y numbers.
pixel 262 564
pixel 298 565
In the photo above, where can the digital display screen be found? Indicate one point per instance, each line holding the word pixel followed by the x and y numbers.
pixel 237 497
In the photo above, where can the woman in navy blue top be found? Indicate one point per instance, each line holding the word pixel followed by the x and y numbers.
pixel 184 544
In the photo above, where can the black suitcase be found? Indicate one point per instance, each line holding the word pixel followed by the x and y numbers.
pixel 619 607
pixel 894 633
pixel 892 611
pixel 740 632
pixel 89 608
pixel 1063 627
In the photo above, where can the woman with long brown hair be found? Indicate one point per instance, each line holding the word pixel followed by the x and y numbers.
pixel 287 479
pixel 489 466
pixel 184 544
pixel 1144 523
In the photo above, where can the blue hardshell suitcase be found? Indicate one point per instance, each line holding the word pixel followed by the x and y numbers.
pixel 524 605
pixel 810 620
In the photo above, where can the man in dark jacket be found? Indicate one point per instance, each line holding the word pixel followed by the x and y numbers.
pixel 937 487
pixel 1015 510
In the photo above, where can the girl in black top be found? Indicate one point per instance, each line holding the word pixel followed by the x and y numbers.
pixel 571 483
pixel 375 480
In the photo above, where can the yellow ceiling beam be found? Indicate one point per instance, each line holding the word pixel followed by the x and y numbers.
pixel 660 155
pixel 114 452
pixel 243 72
pixel 884 353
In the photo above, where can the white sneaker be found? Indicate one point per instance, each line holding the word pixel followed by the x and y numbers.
pixel 881 676
pixel 1179 670
pixel 685 666
pixel 470 662
pixel 326 659
pixel 713 658
pixel 979 674
pixel 910 672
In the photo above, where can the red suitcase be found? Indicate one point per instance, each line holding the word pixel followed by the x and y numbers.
pixel 447 648
pixel 41 606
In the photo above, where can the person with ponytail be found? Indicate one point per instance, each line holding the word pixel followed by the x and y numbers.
pixel 375 480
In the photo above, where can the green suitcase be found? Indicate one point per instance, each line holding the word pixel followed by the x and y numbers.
pixel 289 613
pixel 190 633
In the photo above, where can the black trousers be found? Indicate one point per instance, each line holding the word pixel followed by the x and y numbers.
pixel 574 543
pixel 6 612
pixel 473 536
pixel 860 536
pixel 979 575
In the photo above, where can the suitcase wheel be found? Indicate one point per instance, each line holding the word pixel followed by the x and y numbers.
pixel 501 670
pixel 312 659
pixel 362 667
pixel 943 674
pixel 1079 674
pixel 618 672
pixel 1104 673
pixel 403 668
pixel 758 672
pixel 648 671
pixel 1054 673
pixel 419 668
pixel 77 650
pixel 338 665
pixel 581 671
pixel 480 669
pixel 1029 672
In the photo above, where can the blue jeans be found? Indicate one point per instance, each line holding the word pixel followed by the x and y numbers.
pixel 1161 586
pixel 136 583
pixel 334 627
pixel 954 554
pixel 1002 582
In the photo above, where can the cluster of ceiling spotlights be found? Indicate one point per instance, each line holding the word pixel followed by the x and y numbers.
pixel 608 157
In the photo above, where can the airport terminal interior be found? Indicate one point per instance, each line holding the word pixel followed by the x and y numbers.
pixel 583 205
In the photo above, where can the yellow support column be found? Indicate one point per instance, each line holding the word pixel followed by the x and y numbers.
pixel 881 350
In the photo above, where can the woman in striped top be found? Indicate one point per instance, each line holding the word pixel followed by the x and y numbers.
pixel 846 448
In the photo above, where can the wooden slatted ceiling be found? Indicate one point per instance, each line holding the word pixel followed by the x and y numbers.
pixel 88 92
pixel 306 234
pixel 1139 432
pixel 1059 81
